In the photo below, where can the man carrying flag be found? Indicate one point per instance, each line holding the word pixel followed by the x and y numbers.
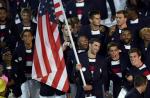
pixel 48 65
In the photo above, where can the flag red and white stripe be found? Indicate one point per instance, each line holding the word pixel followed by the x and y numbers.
pixel 48 62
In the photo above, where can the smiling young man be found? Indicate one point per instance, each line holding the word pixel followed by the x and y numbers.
pixel 139 68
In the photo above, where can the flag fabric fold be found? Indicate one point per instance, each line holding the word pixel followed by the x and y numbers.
pixel 48 61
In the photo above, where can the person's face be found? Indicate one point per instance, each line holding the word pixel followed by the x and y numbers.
pixel 147 35
pixel 113 52
pixel 83 42
pixel 66 30
pixel 120 19
pixel 7 56
pixel 26 17
pixel 76 27
pixel 126 37
pixel 130 14
pixel 134 59
pixel 94 47
pixel 66 33
pixel 27 37
pixel 95 20
pixel 3 15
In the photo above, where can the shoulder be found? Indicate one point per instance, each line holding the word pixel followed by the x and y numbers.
pixel 132 94
pixel 85 27
pixel 82 54
pixel 33 24
pixel 20 48
pixel 100 59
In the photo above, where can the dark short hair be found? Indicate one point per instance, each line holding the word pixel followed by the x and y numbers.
pixel 26 30
pixel 125 30
pixel 72 21
pixel 92 13
pixel 4 50
pixel 133 9
pixel 81 36
pixel 112 44
pixel 139 80
pixel 124 12
pixel 26 10
pixel 135 50
pixel 92 40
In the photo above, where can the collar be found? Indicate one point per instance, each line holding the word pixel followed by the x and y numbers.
pixel 142 67
pixel 134 21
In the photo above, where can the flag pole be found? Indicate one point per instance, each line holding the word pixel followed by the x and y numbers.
pixel 73 45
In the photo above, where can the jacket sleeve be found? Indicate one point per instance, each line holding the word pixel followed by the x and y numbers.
pixel 112 7
pixel 106 76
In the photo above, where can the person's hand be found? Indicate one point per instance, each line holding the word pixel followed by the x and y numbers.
pixel 102 29
pixel 78 66
pixel 87 87
pixel 68 95
pixel 65 45
pixel 113 17
pixel 129 78
pixel 108 95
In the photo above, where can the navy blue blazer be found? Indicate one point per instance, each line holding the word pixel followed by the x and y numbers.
pixel 133 94
pixel 99 76
pixel 33 27
pixel 71 11
pixel 136 27
pixel 122 68
pixel 102 7
pixel 19 60
pixel 145 53
pixel 142 71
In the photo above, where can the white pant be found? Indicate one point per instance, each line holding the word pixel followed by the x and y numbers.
pixel 30 89
pixel 73 90
pixel 55 96
pixel 108 21
pixel 120 4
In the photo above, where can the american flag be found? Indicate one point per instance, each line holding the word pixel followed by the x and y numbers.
pixel 48 62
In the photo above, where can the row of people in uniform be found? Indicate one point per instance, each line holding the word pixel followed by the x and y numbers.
pixel 126 33
pixel 20 59
pixel 122 34
pixel 97 31
pixel 17 67
pixel 98 71
pixel 10 32
pixel 74 7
